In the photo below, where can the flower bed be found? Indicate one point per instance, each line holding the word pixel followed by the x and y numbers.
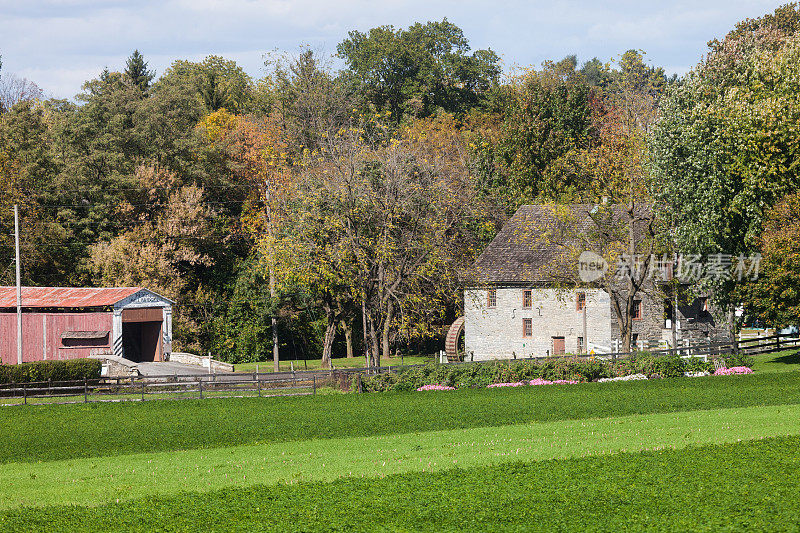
pixel 629 377
pixel 435 387
pixel 500 374
pixel 540 381
pixel 733 370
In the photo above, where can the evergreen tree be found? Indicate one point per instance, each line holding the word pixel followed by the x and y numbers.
pixel 136 71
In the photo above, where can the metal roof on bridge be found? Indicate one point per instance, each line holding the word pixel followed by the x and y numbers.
pixel 65 296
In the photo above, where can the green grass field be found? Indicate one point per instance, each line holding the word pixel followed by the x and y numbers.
pixel 677 454
pixel 785 361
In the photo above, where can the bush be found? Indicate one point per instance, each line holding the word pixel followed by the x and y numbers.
pixel 739 359
pixel 67 370
pixel 480 375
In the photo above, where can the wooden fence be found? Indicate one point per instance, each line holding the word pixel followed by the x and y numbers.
pixel 298 383
pixel 158 387
pixel 772 343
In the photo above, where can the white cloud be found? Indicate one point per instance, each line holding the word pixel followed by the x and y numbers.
pixel 61 43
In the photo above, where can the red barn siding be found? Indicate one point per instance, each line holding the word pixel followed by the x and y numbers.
pixel 57 323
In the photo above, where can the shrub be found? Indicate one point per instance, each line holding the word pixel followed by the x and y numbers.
pixel 481 375
pixel 739 359
pixel 66 370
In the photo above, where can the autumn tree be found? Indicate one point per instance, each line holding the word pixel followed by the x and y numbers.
pixel 621 226
pixel 163 254
pixel 536 154
pixel 310 100
pixel 385 218
pixel 775 296
pixel 249 157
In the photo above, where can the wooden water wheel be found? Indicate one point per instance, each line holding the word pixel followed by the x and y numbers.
pixel 451 341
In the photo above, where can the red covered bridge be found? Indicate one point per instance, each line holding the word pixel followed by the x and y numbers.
pixel 67 323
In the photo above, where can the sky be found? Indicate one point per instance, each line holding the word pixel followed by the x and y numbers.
pixel 59 44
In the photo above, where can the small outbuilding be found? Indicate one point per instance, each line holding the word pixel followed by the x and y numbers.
pixel 69 323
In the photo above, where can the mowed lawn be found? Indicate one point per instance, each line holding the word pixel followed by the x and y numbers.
pixel 678 454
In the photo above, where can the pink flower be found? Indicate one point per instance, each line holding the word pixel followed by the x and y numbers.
pixel 435 387
pixel 516 384
pixel 733 370
pixel 540 381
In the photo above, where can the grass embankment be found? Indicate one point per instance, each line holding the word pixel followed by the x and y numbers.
pixel 44 433
pixel 316 364
pixel 785 361
pixel 98 480
pixel 746 486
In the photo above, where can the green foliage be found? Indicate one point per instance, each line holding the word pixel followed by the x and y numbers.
pixel 118 429
pixel 741 359
pixel 477 375
pixel 726 146
pixel 417 71
pixel 547 122
pixel 66 370
pixel 218 83
pixel 136 71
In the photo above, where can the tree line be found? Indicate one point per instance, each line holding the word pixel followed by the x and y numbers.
pixel 339 209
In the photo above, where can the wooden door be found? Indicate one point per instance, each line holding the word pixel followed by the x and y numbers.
pixel 558 346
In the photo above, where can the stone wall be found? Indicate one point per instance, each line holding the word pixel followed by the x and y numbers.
pixel 496 333
pixel 206 362
pixel 650 326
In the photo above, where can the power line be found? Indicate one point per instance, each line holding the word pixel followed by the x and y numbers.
pixel 151 204
pixel 145 188
pixel 70 242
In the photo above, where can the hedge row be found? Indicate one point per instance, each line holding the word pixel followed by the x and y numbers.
pixel 67 370
pixel 477 375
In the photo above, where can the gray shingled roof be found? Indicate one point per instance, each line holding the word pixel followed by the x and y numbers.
pixel 540 243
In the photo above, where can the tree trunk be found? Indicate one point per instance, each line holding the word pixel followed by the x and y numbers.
pixel 626 336
pixel 274 321
pixel 674 318
pixel 733 326
pixel 364 330
pixel 330 334
pixel 385 353
pixel 348 337
pixel 374 344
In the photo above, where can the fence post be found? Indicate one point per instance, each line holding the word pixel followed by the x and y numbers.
pixel 314 385
pixel 200 388
pixel 85 391
pixel 142 390
pixel 24 394
pixel 358 384
pixel 777 342
pixel 258 387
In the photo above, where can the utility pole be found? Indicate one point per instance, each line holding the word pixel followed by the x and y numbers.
pixel 275 351
pixel 585 329
pixel 19 286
